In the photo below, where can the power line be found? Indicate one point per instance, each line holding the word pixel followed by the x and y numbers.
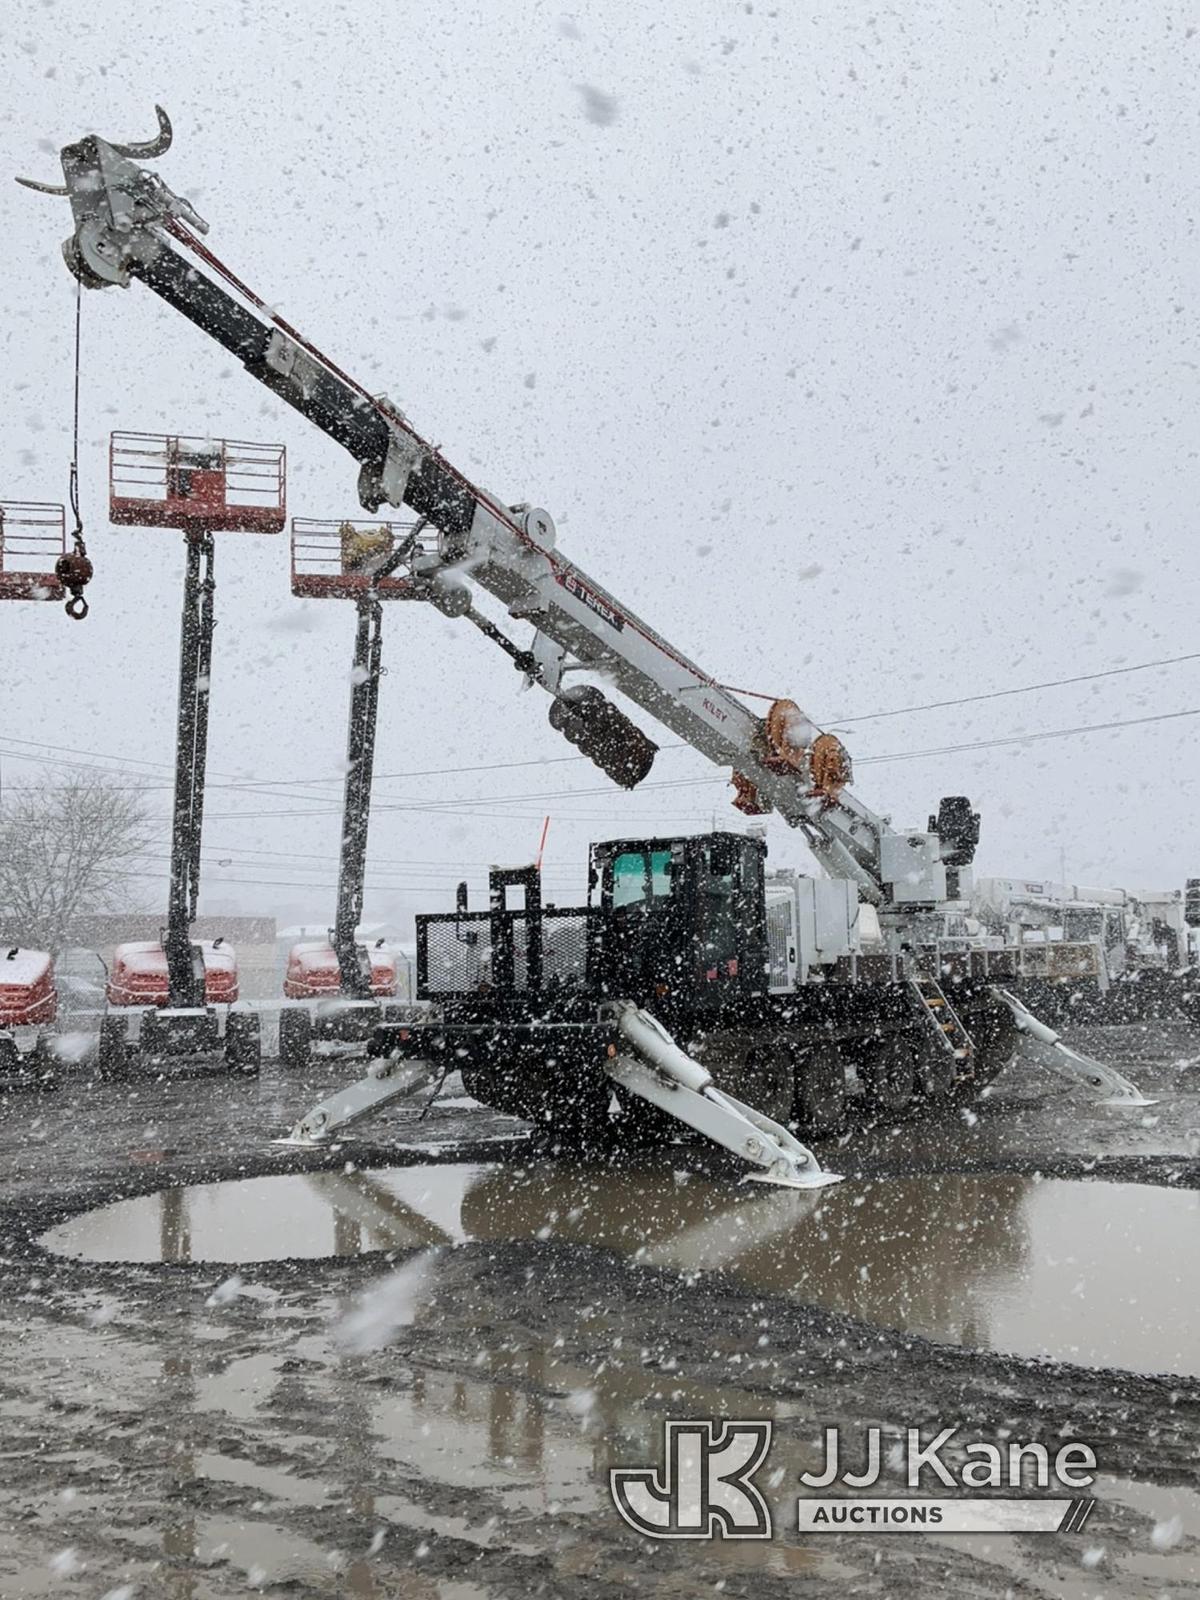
pixel 465 805
pixel 269 784
pixel 250 786
pixel 687 783
pixel 452 805
pixel 418 878
pixel 283 883
pixel 1028 688
pixel 1028 738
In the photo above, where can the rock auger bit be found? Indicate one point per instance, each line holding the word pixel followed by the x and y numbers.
pixel 656 1070
pixel 1046 1046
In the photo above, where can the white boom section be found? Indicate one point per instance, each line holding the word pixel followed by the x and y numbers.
pixel 359 1199
pixel 582 626
pixel 1048 1047
pixel 659 1072
pixel 384 1082
pixel 128 224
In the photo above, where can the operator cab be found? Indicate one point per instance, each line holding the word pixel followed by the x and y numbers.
pixel 675 924
pixel 682 919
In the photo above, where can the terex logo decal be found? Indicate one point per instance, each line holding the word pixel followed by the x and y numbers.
pixel 591 600
pixel 704 1489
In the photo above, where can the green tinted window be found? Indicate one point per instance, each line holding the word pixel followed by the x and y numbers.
pixel 630 881
pixel 629 878
pixel 660 872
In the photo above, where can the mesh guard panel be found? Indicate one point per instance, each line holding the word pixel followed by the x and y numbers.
pixel 456 953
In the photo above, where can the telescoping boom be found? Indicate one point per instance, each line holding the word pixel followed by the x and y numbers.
pixel 129 225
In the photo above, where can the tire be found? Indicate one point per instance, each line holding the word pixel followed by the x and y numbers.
pixel 585 1130
pixel 112 1056
pixel 10 1056
pixel 819 1094
pixel 46 1065
pixel 295 1037
pixel 243 1043
pixel 766 1081
pixel 149 1044
pixel 888 1071
pixel 937 1071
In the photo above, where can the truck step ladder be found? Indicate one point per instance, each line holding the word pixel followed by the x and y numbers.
pixel 940 1017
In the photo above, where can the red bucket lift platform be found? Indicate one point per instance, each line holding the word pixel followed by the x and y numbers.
pixel 167 480
pixel 32 538
pixel 139 974
pixel 27 994
pixel 313 972
pixel 338 560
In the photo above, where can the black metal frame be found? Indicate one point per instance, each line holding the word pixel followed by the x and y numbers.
pixel 605 978
pixel 500 881
pixel 185 964
pixel 354 962
pixel 500 928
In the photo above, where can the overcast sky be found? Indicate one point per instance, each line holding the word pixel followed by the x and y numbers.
pixel 855 348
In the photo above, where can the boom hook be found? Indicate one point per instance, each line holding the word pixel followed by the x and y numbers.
pixel 43 188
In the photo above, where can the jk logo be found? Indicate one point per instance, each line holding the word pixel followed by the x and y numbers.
pixel 704 1489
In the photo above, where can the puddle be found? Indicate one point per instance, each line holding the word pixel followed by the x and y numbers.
pixel 1097 1273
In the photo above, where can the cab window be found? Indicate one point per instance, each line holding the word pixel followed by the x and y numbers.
pixel 639 876
pixel 720 933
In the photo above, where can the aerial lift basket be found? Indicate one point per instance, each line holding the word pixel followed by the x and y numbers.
pixel 27 994
pixel 313 972
pixel 32 539
pixel 162 480
pixel 342 560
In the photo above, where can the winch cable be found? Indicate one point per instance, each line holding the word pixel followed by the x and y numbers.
pixel 73 569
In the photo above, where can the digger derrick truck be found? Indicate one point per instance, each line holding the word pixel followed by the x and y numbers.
pixel 1114 955
pixel 573 1051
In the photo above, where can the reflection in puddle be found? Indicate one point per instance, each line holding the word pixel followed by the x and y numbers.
pixel 280 1464
pixel 1098 1273
pixel 506 1458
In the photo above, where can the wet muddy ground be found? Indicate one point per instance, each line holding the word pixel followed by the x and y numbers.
pixel 436 1417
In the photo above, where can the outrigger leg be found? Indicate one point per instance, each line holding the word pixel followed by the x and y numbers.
pixel 653 1067
pixel 1048 1048
pixel 657 1070
pixel 386 1080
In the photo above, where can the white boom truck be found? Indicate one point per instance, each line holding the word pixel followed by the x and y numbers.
pixel 568 1020
pixel 1121 953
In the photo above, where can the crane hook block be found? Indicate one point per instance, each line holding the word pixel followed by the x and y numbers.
pixel 74 571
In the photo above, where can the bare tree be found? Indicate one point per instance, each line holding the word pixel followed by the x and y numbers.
pixel 67 850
